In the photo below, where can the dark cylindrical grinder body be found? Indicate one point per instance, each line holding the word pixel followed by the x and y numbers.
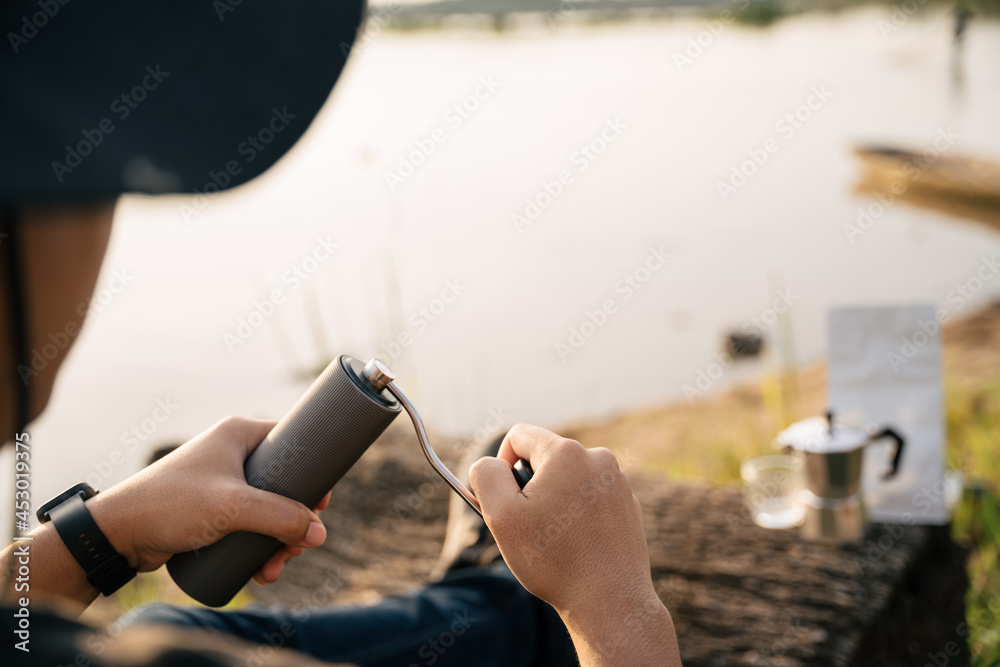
pixel 308 452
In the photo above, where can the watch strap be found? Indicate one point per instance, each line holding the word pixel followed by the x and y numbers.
pixel 107 570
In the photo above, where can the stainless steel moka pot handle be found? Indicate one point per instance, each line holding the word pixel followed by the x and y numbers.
pixel 341 414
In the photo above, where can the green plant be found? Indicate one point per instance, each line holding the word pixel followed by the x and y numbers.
pixel 973 423
pixel 760 12
pixel 977 524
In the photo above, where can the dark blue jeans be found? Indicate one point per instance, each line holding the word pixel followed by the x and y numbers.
pixel 472 618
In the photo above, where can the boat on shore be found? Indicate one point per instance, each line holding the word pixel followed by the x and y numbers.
pixel 931 173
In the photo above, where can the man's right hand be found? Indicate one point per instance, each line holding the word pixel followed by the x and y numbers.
pixel 574 537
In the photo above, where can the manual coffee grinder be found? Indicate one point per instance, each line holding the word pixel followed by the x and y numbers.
pixel 344 411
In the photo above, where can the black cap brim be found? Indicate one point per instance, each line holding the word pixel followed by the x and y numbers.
pixel 99 99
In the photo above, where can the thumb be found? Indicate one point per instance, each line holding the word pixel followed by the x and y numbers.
pixel 493 483
pixel 280 517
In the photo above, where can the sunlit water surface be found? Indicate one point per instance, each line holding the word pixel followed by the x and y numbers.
pixel 517 293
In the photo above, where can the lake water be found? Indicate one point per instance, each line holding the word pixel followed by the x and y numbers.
pixel 619 145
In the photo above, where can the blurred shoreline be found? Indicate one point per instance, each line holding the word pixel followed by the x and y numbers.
pixel 706 439
pixel 506 15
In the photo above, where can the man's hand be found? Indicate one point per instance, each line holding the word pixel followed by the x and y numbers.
pixel 198 494
pixel 574 537
pixel 186 500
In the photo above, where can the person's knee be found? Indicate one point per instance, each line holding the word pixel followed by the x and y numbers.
pixel 159 613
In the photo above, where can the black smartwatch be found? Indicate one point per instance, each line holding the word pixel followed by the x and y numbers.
pixel 107 570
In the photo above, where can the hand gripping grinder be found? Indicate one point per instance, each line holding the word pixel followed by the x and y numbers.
pixel 344 411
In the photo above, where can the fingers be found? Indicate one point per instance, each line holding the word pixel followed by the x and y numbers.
pixel 246 433
pixel 280 517
pixel 526 442
pixel 275 565
pixel 271 570
pixel 323 504
pixel 494 485
pixel 538 446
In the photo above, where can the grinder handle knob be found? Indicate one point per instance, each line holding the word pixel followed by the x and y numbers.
pixel 523 472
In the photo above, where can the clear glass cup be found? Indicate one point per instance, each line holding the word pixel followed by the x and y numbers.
pixel 771 488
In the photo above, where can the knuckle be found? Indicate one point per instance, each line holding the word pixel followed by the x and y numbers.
pixel 565 447
pixel 570 456
pixel 231 424
pixel 476 471
pixel 518 432
pixel 605 459
pixel 296 523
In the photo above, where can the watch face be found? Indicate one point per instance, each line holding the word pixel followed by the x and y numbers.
pixel 84 490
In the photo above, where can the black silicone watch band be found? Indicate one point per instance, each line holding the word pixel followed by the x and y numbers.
pixel 107 570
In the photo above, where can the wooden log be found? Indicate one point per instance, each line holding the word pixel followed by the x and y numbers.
pixel 738 594
pixel 744 595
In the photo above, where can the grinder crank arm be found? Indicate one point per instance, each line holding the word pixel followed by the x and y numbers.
pixel 380 377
